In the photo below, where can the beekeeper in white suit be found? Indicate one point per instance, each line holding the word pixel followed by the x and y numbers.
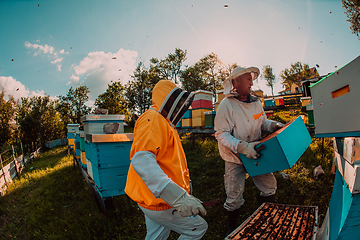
pixel 239 120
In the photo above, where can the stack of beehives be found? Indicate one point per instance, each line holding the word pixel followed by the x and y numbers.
pixel 336 113
pixel 202 103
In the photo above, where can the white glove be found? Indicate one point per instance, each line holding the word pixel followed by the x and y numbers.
pixel 184 203
pixel 276 125
pixel 248 149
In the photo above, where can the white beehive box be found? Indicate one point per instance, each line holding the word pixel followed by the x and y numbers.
pixel 73 127
pixel 336 101
pixel 94 124
pixel 203 95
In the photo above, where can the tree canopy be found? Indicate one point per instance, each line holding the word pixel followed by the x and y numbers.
pixel 352 10
pixel 296 73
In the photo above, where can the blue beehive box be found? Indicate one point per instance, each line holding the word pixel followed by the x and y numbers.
pixel 109 155
pixel 187 114
pixel 281 150
pixel 77 146
pixel 269 103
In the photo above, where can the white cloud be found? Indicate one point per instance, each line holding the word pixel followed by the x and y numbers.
pixel 57 60
pixel 48 50
pixel 44 49
pixel 98 69
pixel 13 87
pixel 18 90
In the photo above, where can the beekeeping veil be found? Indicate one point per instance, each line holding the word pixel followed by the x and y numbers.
pixel 170 100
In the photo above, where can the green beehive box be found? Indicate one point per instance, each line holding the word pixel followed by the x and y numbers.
pixel 209 119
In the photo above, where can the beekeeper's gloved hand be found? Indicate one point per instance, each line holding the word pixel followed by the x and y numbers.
pixel 276 125
pixel 179 199
pixel 248 149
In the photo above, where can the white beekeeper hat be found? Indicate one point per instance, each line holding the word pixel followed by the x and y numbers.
pixel 228 87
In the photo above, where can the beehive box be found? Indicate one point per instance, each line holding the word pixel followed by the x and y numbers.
pixel 71 143
pixel 279 221
pixel 202 95
pixel 348 148
pixel 198 122
pixel 73 127
pixel 269 103
pixel 305 101
pixel 342 219
pixel 186 123
pixel 336 102
pixel 279 101
pixel 82 149
pixel 94 124
pixel 188 113
pixel 77 146
pixel 109 155
pixel 201 104
pixel 209 119
pixel 220 95
pixel 281 150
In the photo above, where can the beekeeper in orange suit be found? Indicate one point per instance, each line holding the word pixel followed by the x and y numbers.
pixel 239 121
pixel 158 178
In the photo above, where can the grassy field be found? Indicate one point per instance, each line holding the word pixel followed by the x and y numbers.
pixel 51 199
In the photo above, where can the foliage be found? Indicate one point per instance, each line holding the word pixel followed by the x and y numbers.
pixel 72 106
pixel 168 68
pixel 113 99
pixel 7 114
pixel 269 77
pixel 138 90
pixel 38 120
pixel 296 73
pixel 352 10
pixel 206 74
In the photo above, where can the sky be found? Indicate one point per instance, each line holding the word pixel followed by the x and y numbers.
pixel 48 46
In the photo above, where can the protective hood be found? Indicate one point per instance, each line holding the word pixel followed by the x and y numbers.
pixel 170 101
pixel 228 86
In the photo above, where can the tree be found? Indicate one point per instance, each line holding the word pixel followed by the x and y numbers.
pixel 113 99
pixel 170 67
pixel 191 79
pixel 138 90
pixel 296 73
pixel 269 77
pixel 38 120
pixel 7 114
pixel 207 74
pixel 352 10
pixel 72 106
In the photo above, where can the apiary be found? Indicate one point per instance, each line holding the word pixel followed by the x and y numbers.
pixel 279 221
pixel 281 149
pixel 109 157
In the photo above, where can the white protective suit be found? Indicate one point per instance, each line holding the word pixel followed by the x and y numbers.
pixel 238 123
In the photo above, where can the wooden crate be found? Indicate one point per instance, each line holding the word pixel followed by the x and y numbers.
pixel 279 221
pixel 281 150
pixel 336 102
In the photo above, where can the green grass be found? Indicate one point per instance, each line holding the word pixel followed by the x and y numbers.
pixel 52 200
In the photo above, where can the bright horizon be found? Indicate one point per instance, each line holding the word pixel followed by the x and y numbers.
pixel 49 46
